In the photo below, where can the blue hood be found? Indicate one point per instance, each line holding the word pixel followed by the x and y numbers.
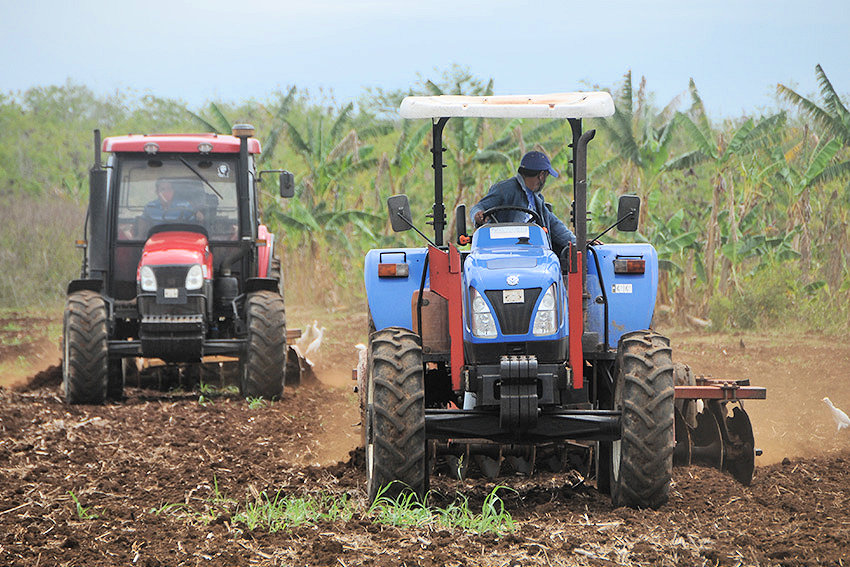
pixel 511 256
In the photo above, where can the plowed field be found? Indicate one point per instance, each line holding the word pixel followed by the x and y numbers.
pixel 160 479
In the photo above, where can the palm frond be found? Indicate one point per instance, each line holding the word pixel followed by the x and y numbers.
pixel 604 167
pixel 704 143
pixel 414 143
pixel 298 142
pixel 223 124
pixel 341 121
pixel 625 99
pixel 686 161
pixel 763 134
pixel 668 113
pixel 824 119
pixel 545 129
pixel 203 122
pixel 491 156
pixel 698 110
pixel 821 157
pixel 838 171
pixel 278 125
pixel 830 97
pixel 433 88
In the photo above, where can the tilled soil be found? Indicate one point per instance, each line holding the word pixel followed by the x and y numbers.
pixel 147 482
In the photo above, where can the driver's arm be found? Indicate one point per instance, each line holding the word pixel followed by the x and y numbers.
pixel 493 198
pixel 561 235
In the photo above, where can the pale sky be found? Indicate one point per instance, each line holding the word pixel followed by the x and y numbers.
pixel 736 51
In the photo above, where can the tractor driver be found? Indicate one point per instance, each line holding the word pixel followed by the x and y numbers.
pixel 165 208
pixel 524 190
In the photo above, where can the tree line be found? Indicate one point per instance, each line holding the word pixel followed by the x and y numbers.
pixel 749 215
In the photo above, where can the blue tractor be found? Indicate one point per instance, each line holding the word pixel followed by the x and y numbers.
pixel 511 353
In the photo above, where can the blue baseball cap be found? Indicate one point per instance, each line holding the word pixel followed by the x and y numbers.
pixel 537 161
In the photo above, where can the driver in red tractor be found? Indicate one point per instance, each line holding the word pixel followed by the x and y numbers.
pixel 524 190
pixel 166 208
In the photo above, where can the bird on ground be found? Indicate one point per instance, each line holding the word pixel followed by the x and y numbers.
pixel 316 343
pixel 839 416
pixel 307 337
pixel 362 358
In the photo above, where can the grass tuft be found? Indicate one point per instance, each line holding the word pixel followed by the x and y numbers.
pixel 83 513
pixel 408 510
pixel 282 512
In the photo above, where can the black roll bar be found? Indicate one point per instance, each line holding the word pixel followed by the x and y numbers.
pixel 438 215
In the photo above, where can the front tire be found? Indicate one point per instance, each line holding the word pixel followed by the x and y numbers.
pixel 396 448
pixel 85 349
pixel 263 366
pixel 642 460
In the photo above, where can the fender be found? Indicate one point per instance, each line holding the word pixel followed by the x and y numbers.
pixel 386 294
pixel 265 253
pixel 631 297
pixel 83 285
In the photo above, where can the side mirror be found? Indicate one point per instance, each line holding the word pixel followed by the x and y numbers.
pixel 628 211
pixel 460 224
pixel 287 184
pixel 399 208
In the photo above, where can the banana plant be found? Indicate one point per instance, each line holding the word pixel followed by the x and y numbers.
pixel 332 155
pixel 640 137
pixel 721 152
pixel 801 182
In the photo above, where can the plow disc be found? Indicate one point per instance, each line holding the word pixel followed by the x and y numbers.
pixel 707 433
pixel 717 440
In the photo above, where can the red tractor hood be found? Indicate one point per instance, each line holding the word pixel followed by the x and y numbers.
pixel 177 248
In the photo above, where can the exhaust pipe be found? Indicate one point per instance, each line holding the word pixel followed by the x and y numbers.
pixel 98 245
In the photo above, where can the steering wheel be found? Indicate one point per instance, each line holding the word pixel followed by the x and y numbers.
pixel 534 216
pixel 188 215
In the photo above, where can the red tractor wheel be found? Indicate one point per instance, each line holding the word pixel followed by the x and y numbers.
pixel 85 356
pixel 263 366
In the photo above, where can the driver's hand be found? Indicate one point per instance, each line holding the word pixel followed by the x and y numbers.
pixel 479 218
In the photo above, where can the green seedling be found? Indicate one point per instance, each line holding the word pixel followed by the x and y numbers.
pixel 82 512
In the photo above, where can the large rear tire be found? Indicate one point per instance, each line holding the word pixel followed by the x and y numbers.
pixel 396 448
pixel 642 460
pixel 263 366
pixel 85 348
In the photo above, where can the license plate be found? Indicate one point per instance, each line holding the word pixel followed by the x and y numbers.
pixel 170 293
pixel 513 296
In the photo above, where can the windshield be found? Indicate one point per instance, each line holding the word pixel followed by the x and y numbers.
pixel 189 189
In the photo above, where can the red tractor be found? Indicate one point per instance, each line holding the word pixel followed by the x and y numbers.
pixel 177 266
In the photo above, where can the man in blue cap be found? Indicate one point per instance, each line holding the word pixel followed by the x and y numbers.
pixel 523 190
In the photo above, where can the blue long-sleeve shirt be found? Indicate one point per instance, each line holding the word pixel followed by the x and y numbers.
pixel 513 192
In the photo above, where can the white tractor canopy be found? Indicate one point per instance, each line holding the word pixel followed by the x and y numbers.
pixel 555 105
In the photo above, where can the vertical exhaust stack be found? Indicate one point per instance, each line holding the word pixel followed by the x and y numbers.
pixel 249 227
pixel 98 242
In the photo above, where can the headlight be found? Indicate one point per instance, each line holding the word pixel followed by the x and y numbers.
pixel 546 318
pixel 195 277
pixel 147 279
pixel 483 323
